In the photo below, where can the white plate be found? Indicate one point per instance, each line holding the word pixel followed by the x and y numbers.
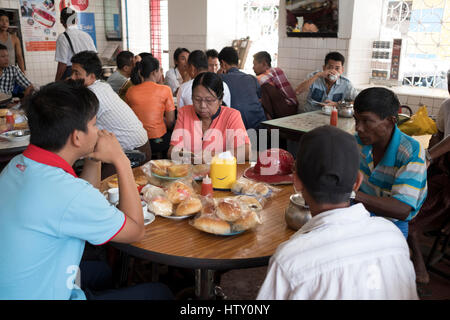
pixel 151 218
pixel 177 217
pixel 11 135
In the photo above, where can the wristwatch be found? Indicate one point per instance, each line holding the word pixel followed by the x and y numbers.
pixel 428 156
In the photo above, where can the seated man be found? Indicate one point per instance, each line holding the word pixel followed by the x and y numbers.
pixel 125 63
pixel 48 213
pixel 197 63
pixel 328 85
pixel 277 96
pixel 341 252
pixel 113 114
pixel 11 75
pixel 244 88
pixel 213 60
pixel 392 163
pixel 179 74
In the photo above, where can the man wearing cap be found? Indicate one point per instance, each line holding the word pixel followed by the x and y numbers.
pixel 392 163
pixel 341 252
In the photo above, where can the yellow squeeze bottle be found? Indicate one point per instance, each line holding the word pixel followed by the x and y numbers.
pixel 223 171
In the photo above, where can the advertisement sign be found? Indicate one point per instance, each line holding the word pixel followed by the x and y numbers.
pixel 38 23
pixel 86 22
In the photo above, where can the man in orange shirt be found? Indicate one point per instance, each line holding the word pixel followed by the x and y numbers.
pixel 153 104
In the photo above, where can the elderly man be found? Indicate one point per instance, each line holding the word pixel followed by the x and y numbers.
pixel 392 163
pixel 69 43
pixel 277 96
pixel 113 114
pixel 327 86
pixel 341 252
pixel 10 75
pixel 125 62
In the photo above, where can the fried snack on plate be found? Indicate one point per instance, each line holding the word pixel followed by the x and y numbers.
pixel 160 167
pixel 178 170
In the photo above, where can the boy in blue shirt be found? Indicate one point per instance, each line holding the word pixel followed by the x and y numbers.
pixel 48 213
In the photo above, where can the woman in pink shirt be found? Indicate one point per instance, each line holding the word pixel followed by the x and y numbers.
pixel 207 128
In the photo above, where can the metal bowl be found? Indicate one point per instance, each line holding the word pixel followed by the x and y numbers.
pixel 297 213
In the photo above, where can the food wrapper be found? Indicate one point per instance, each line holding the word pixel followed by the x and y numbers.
pixel 157 200
pixel 244 186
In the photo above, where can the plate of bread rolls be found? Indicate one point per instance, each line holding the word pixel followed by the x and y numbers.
pixel 228 216
pixel 169 170
pixel 178 201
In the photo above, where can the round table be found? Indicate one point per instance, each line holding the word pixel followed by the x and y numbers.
pixel 177 243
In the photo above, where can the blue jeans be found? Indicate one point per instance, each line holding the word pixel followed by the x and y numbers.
pixel 96 282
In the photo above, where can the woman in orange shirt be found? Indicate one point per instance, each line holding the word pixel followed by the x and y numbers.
pixel 153 104
pixel 207 128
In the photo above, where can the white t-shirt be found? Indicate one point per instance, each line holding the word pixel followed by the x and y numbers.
pixel 117 117
pixel 81 41
pixel 184 95
pixel 342 254
pixel 173 79
pixel 443 118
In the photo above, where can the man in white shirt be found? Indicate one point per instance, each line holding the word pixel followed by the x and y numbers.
pixel 197 63
pixel 179 74
pixel 113 115
pixel 69 43
pixel 341 252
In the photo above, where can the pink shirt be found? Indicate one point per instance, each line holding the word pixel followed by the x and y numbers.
pixel 226 132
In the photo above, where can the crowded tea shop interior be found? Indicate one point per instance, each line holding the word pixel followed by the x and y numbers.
pixel 295 150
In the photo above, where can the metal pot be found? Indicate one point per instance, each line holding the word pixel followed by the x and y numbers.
pixel 297 213
pixel 345 109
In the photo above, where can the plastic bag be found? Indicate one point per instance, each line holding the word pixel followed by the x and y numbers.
pixel 419 124
pixel 244 186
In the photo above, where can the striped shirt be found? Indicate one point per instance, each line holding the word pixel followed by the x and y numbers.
pixel 277 78
pixel 10 76
pixel 401 174
pixel 115 116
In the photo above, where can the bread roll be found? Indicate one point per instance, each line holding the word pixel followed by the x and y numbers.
pixel 188 207
pixel 113 183
pixel 178 191
pixel 247 221
pixel 3 112
pixel 249 203
pixel 149 192
pixel 178 170
pixel 212 225
pixel 228 210
pixel 261 189
pixel 159 167
pixel 160 206
pixel 141 180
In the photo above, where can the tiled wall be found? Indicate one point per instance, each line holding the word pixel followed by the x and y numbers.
pixel 41 65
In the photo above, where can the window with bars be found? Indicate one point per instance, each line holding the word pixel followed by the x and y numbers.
pixel 424 29
pixel 159 31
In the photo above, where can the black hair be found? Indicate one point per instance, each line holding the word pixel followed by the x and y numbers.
pixel 177 53
pixel 89 61
pixel 263 56
pixel 144 68
pixel 56 110
pixel 212 53
pixel 124 58
pixel 3 47
pixel 211 81
pixel 381 101
pixel 229 55
pixel 4 13
pixel 198 59
pixel 68 15
pixel 336 56
pixel 145 54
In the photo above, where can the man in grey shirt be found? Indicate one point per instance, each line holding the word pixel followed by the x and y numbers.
pixel 125 63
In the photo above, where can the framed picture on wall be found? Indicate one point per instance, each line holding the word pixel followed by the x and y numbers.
pixel 312 18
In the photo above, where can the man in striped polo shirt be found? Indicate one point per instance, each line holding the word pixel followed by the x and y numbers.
pixel 392 163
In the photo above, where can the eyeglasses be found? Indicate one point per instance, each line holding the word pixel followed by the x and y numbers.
pixel 199 100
